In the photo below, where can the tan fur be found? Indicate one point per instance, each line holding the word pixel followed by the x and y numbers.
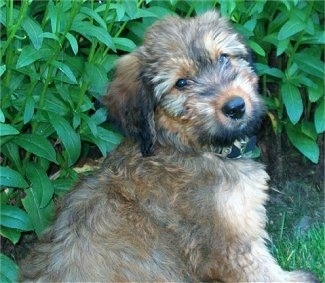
pixel 165 207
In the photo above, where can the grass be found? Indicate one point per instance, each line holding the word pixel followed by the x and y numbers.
pixel 296 227
pixel 305 250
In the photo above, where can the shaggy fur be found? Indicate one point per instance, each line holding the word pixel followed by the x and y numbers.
pixel 165 206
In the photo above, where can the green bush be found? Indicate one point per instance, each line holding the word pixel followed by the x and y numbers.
pixel 57 58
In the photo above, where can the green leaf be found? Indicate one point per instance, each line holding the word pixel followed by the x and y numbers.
pixel 29 55
pixel 124 44
pixel 38 145
pixel 3 68
pixel 316 38
pixel 90 31
pixel 118 7
pixel 307 146
pixel 263 69
pixel 29 109
pixel 12 234
pixel 63 185
pixel 144 13
pixel 54 11
pixel 2 116
pixel 94 15
pixel 96 76
pixel 69 138
pixel 40 183
pixel 10 150
pixel 14 217
pixel 55 104
pixel 6 130
pixel 9 269
pixel 100 116
pixel 256 48
pixel 160 11
pixel 92 126
pixel 292 101
pixel 109 62
pixel 34 31
pixel 250 25
pixel 290 28
pixel 73 42
pixel 131 8
pixel 11 178
pixel 308 129
pixel 40 217
pixel 309 64
pixel 106 140
pixel 51 36
pixel 65 69
pixel 282 46
pixel 319 117
pixel 315 93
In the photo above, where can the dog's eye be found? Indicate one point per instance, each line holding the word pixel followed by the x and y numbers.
pixel 181 83
pixel 223 58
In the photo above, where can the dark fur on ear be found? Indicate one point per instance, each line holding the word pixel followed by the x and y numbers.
pixel 130 102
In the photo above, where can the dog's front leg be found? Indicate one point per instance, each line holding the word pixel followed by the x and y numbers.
pixel 239 252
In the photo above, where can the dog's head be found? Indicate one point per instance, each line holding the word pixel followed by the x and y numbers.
pixel 190 86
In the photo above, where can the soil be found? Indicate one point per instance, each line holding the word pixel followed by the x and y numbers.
pixel 296 186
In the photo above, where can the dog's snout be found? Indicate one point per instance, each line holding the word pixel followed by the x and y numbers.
pixel 234 108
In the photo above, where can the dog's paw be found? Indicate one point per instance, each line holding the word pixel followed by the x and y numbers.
pixel 300 276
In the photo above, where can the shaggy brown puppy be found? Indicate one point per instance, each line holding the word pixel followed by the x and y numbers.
pixel 168 204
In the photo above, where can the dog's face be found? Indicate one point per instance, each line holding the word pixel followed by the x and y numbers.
pixel 190 86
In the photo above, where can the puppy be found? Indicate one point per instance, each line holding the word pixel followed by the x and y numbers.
pixel 169 203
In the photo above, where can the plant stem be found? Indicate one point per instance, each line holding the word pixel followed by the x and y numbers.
pixel 13 28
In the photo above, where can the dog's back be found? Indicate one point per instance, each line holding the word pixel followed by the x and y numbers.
pixel 144 219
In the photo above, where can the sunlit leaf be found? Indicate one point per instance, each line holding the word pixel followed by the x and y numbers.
pixel 290 28
pixel 34 31
pixel 29 109
pixel 319 117
pixel 11 178
pixel 9 269
pixel 73 42
pixel 94 15
pixel 6 130
pixel 14 217
pixel 90 31
pixel 124 44
pixel 292 101
pixel 3 68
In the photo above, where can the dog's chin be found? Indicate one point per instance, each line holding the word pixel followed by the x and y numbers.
pixel 225 137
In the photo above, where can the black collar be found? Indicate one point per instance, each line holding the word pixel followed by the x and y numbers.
pixel 240 148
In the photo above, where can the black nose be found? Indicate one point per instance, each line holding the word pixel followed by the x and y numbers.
pixel 234 108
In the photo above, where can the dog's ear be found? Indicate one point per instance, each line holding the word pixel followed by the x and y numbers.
pixel 130 102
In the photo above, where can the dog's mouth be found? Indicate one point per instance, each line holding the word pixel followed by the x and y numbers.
pixel 239 148
pixel 224 135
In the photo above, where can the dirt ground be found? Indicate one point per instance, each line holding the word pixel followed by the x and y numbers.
pixel 296 186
